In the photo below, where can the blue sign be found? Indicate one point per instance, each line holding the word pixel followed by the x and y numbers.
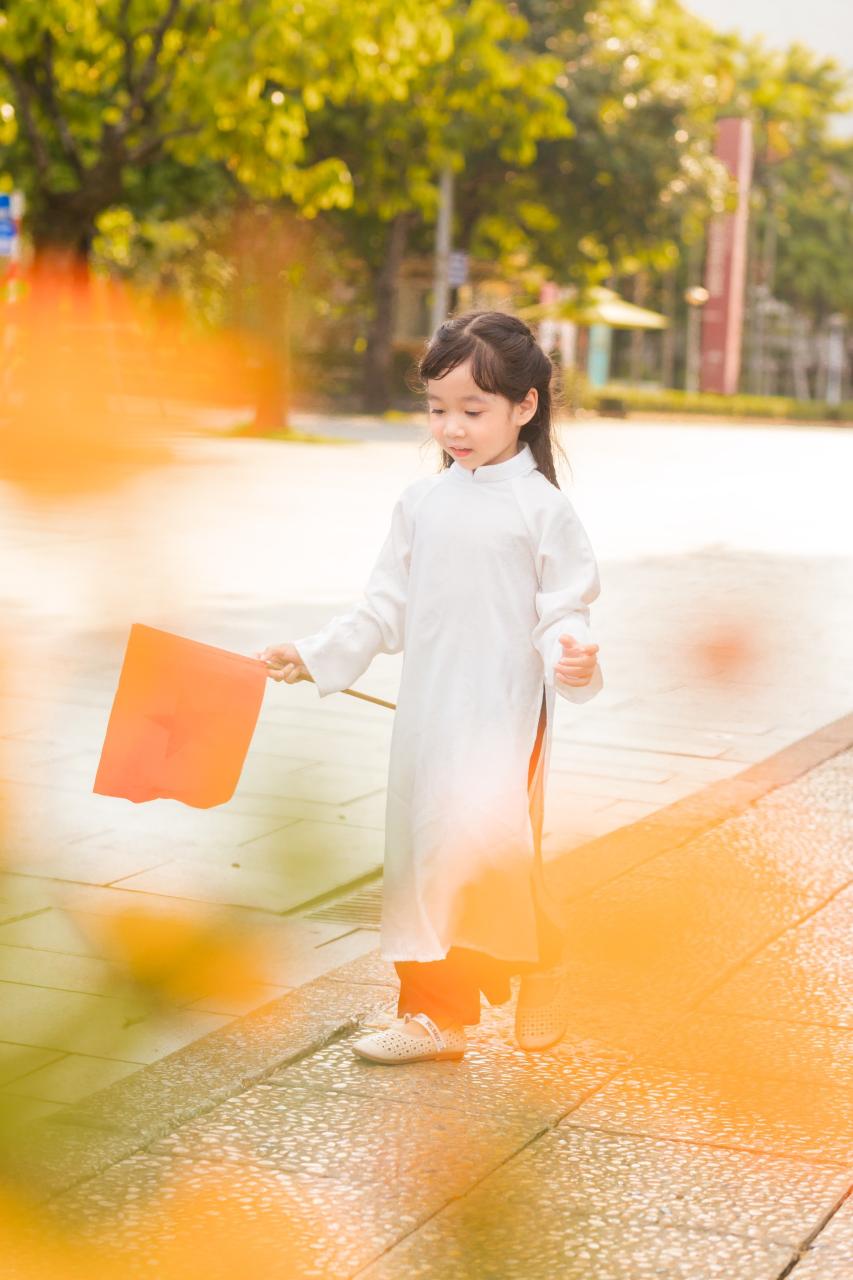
pixel 8 228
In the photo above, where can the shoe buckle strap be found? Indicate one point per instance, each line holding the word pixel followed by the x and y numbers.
pixel 426 1021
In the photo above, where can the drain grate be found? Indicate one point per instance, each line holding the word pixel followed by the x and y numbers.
pixel 363 908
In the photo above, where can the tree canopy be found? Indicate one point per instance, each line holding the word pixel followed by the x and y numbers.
pixel 581 133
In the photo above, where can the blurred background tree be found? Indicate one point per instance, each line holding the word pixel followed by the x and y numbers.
pixel 581 133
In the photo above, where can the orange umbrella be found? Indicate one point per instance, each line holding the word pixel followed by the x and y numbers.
pixel 181 722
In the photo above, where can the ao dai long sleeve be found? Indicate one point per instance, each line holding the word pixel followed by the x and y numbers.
pixel 342 651
pixel 568 579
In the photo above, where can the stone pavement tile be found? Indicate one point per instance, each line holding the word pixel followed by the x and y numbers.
pixel 330 783
pixel 105 1128
pixel 376 1142
pixel 33 821
pixel 493 1077
pixel 82 863
pixel 29 751
pixel 148 844
pixel 666 792
pixel 318 839
pixel 52 929
pixel 765 846
pixel 94 900
pixel 823 792
pixel 270 804
pixel 74 809
pixel 590 762
pixel 610 761
pixel 369 811
pixel 286 738
pixel 776 1117
pixel 580 829
pixel 329 745
pixel 371 968
pixel 811 985
pixel 582 1204
pixel 617 731
pixel 37 763
pixel 275 1223
pixel 805 976
pixel 492 1243
pixel 673 1184
pixel 296 882
pixel 754 751
pixel 712 804
pixel 840 730
pixel 798 757
pixel 623 812
pixel 597 862
pixel 623 1026
pixel 567 808
pixel 308 779
pixel 409 1158
pixel 700 713
pixel 75 1022
pixel 657 940
pixel 756 1047
pixel 22 896
pixel 294 951
pixel 19 1059
pixel 254 996
pixel 70 1078
pixel 830 1256
pixel 17 1114
pixel 32 967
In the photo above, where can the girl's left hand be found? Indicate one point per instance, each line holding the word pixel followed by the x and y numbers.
pixel 577 663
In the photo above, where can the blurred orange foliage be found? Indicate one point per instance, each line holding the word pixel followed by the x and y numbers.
pixel 95 377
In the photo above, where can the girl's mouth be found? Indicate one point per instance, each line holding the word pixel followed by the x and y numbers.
pixel 461 453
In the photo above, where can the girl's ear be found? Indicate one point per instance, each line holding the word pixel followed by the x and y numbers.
pixel 528 407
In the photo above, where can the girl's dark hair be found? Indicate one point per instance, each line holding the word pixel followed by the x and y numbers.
pixel 506 360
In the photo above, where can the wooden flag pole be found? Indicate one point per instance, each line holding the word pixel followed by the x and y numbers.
pixel 354 693
pixel 380 702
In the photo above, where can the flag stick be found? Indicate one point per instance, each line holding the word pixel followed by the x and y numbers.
pixel 354 693
pixel 380 702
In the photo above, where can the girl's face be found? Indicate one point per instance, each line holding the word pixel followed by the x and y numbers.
pixel 476 427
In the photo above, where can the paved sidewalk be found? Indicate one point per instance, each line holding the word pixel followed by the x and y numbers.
pixel 724 622
pixel 695 1122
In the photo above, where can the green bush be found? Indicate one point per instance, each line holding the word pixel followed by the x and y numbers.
pixel 664 400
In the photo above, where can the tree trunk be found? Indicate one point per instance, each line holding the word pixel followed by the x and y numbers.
pixel 379 354
pixel 62 223
pixel 272 397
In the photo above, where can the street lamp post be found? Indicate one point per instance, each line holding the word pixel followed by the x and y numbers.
pixel 695 297
pixel 443 241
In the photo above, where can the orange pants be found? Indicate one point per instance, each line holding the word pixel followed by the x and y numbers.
pixel 449 989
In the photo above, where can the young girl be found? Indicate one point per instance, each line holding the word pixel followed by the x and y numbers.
pixel 485 581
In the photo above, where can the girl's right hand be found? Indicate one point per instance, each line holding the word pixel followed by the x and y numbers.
pixel 284 663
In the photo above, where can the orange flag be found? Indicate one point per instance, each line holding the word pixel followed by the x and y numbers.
pixel 182 720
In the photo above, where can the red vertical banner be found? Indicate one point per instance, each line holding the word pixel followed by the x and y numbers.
pixel 725 266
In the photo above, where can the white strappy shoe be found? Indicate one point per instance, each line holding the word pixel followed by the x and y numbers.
pixel 395 1046
pixel 542 1011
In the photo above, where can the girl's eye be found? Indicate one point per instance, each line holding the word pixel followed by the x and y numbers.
pixel 436 411
pixel 473 413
